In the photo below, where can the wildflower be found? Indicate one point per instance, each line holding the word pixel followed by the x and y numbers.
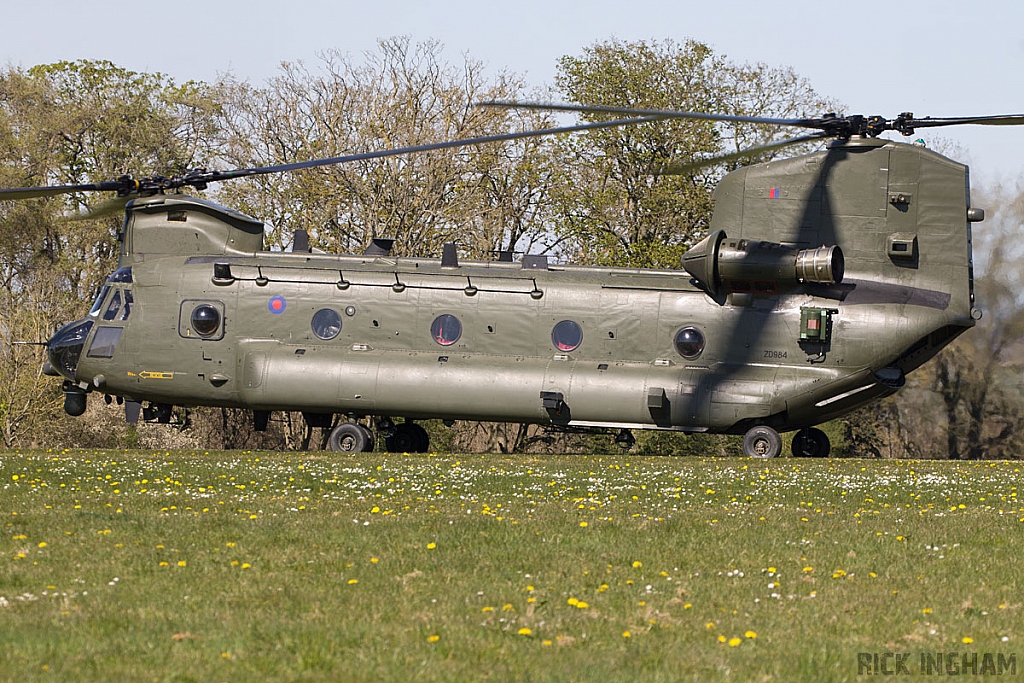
pixel 626 634
pixel 733 642
pixel 583 524
pixel 506 607
pixel 967 640
pixel 637 564
pixel 524 631
pixel 750 634
pixel 573 601
pixel 353 582
pixel 487 609
pixel 433 639
pixel 431 545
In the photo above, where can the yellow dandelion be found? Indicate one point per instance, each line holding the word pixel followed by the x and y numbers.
pixel 626 634
pixel 524 631
pixel 246 565
pixel 583 524
pixel 433 639
pixel 374 560
pixel 582 605
pixel 637 564
pixel 506 607
pixel 733 642
pixel 967 640
pixel 721 639
pixel 750 634
pixel 353 582
pixel 546 643
pixel 181 563
pixel 572 601
pixel 42 544
pixel 431 545
pixel 687 606
pixel 926 610
pixel 164 564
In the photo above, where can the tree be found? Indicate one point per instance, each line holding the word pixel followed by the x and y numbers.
pixel 69 123
pixel 624 206
pixel 404 95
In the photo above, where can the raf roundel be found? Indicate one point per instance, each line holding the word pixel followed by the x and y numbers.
pixel 276 304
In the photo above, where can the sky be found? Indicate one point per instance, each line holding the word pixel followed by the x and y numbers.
pixel 941 58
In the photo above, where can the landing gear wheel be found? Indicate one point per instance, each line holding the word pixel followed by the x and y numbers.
pixel 811 443
pixel 762 442
pixel 349 437
pixel 409 437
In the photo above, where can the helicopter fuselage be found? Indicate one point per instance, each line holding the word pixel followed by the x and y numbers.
pixel 749 334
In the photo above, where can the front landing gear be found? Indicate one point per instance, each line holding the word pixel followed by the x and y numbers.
pixel 350 437
pixel 762 442
pixel 811 443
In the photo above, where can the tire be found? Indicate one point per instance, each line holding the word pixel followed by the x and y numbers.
pixel 811 443
pixel 762 442
pixel 409 437
pixel 349 437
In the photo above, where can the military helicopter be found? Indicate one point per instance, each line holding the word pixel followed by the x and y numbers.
pixel 825 279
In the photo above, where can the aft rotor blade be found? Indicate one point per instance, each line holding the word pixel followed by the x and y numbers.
pixel 660 113
pixel 1001 120
pixel 215 176
pixel 683 169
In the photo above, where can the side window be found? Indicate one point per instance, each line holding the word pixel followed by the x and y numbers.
pixel 567 335
pixel 326 323
pixel 446 329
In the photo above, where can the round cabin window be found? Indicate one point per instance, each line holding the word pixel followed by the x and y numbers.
pixel 446 329
pixel 567 335
pixel 689 342
pixel 205 320
pixel 326 323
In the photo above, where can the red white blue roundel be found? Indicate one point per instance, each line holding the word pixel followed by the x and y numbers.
pixel 277 304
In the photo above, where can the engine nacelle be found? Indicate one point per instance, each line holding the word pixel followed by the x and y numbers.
pixel 724 266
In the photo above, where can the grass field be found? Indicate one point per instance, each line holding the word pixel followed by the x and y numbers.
pixel 293 567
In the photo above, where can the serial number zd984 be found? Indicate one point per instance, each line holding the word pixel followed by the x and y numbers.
pixel 775 354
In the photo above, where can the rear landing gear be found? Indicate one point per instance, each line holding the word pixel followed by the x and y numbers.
pixel 350 437
pixel 408 437
pixel 762 442
pixel 811 443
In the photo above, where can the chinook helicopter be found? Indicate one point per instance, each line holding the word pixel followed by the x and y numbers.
pixel 825 279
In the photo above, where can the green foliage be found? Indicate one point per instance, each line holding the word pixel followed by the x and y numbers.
pixel 262 566
pixel 625 205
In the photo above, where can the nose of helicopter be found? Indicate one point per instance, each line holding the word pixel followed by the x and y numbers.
pixel 65 347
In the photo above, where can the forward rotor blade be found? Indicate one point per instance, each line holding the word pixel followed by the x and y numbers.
pixel 683 169
pixel 105 208
pixel 216 176
pixel 52 190
pixel 660 113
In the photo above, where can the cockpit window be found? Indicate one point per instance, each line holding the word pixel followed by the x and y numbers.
pixel 129 301
pixel 99 301
pixel 114 306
